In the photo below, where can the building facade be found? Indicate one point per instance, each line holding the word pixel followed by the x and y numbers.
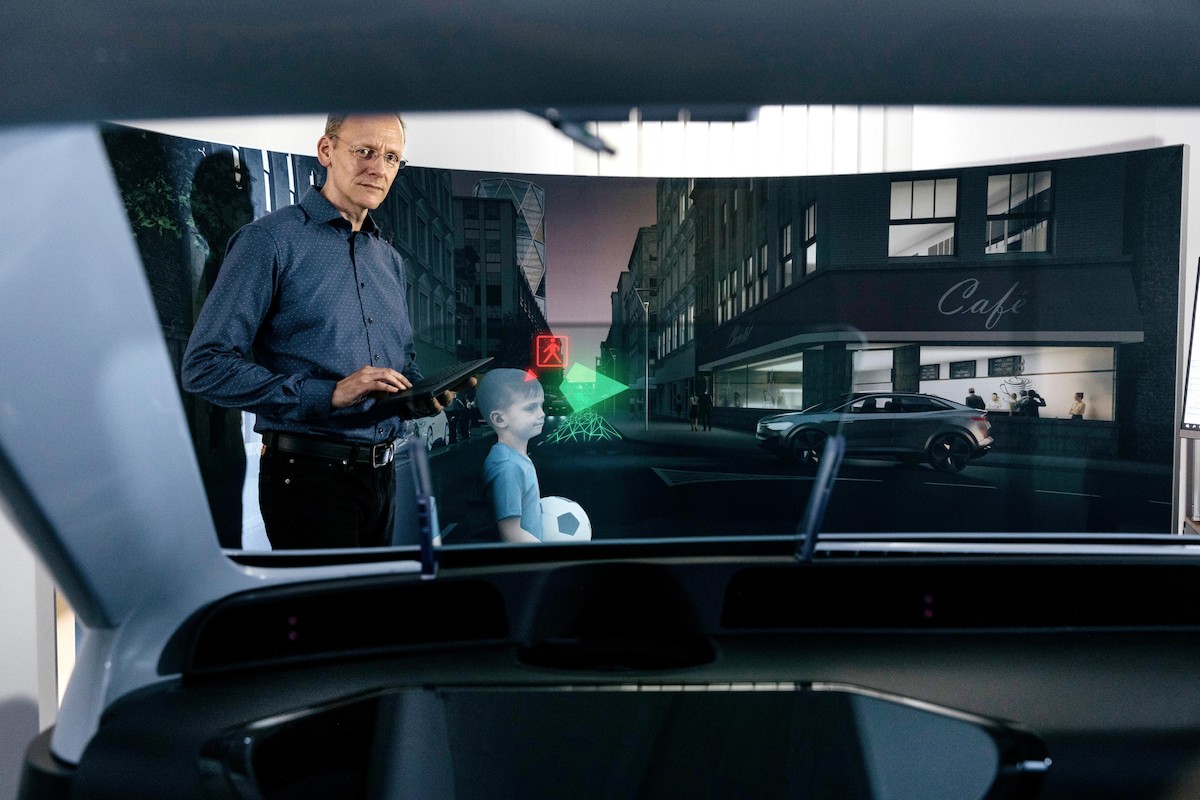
pixel 676 296
pixel 529 201
pixel 500 315
pixel 1059 276
pixel 636 302
pixel 417 219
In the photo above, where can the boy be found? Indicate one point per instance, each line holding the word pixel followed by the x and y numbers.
pixel 511 403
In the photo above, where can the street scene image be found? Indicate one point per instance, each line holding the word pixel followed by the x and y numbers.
pixel 996 346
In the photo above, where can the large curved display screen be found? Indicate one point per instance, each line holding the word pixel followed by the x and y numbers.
pixel 996 344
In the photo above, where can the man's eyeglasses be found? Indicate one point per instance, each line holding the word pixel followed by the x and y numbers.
pixel 367 154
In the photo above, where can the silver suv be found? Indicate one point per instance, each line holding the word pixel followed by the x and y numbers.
pixel 905 425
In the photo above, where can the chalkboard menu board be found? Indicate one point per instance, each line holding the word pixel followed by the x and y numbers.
pixel 930 372
pixel 1005 366
pixel 962 369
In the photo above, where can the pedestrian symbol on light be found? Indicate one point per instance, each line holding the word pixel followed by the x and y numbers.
pixel 551 352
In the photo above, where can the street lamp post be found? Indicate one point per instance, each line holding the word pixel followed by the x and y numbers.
pixel 645 352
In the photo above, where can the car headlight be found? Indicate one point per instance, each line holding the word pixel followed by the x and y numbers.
pixel 779 425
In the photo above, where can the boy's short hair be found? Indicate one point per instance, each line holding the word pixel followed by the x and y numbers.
pixel 500 388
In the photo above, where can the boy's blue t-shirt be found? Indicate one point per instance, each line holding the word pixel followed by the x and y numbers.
pixel 511 482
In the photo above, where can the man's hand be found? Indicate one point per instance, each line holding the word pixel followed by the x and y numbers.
pixel 432 406
pixel 361 384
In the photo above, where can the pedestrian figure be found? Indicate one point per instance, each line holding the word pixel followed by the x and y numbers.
pixel 1078 408
pixel 693 410
pixel 705 411
pixel 1029 404
pixel 974 401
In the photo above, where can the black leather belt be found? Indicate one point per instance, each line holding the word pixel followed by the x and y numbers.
pixel 374 455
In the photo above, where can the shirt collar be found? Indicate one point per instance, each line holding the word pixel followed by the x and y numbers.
pixel 321 211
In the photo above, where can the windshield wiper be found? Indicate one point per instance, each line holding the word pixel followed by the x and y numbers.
pixel 810 524
pixel 426 510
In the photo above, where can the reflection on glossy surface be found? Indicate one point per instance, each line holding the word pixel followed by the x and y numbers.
pixel 648 741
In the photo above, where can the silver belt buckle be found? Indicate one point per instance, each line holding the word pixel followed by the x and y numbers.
pixel 382 454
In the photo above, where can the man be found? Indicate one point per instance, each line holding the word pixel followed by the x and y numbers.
pixel 705 410
pixel 975 401
pixel 1033 401
pixel 307 328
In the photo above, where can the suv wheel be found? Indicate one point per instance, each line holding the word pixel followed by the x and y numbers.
pixel 949 452
pixel 807 447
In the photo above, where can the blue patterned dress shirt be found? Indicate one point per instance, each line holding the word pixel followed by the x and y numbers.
pixel 301 302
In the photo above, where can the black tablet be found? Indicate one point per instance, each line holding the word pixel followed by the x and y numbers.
pixel 445 378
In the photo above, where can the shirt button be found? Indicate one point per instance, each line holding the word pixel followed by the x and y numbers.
pixel 362 286
pixel 370 319
pixel 376 358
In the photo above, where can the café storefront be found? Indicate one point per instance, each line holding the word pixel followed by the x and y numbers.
pixel 1057 327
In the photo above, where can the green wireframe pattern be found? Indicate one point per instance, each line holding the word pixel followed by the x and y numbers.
pixel 583 426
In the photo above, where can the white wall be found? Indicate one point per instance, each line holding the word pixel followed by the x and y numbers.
pixel 783 140
pixel 28 696
pixel 1056 373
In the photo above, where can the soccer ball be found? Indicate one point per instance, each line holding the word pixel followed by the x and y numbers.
pixel 564 520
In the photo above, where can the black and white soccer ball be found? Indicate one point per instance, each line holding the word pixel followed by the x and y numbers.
pixel 564 520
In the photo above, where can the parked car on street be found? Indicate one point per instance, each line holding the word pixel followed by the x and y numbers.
pixel 434 431
pixel 904 425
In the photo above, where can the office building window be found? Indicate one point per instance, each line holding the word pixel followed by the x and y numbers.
pixel 810 239
pixel 422 239
pixel 785 255
pixel 402 215
pixel 723 300
pixel 749 295
pixel 923 218
pixel 423 318
pixel 763 272
pixel 1019 208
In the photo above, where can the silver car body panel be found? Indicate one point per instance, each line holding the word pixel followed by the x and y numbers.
pixel 90 411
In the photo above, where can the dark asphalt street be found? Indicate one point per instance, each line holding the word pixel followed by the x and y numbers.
pixel 668 481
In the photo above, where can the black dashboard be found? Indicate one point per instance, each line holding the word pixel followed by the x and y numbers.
pixel 1082 672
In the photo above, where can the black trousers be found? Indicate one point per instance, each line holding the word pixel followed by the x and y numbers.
pixel 309 502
